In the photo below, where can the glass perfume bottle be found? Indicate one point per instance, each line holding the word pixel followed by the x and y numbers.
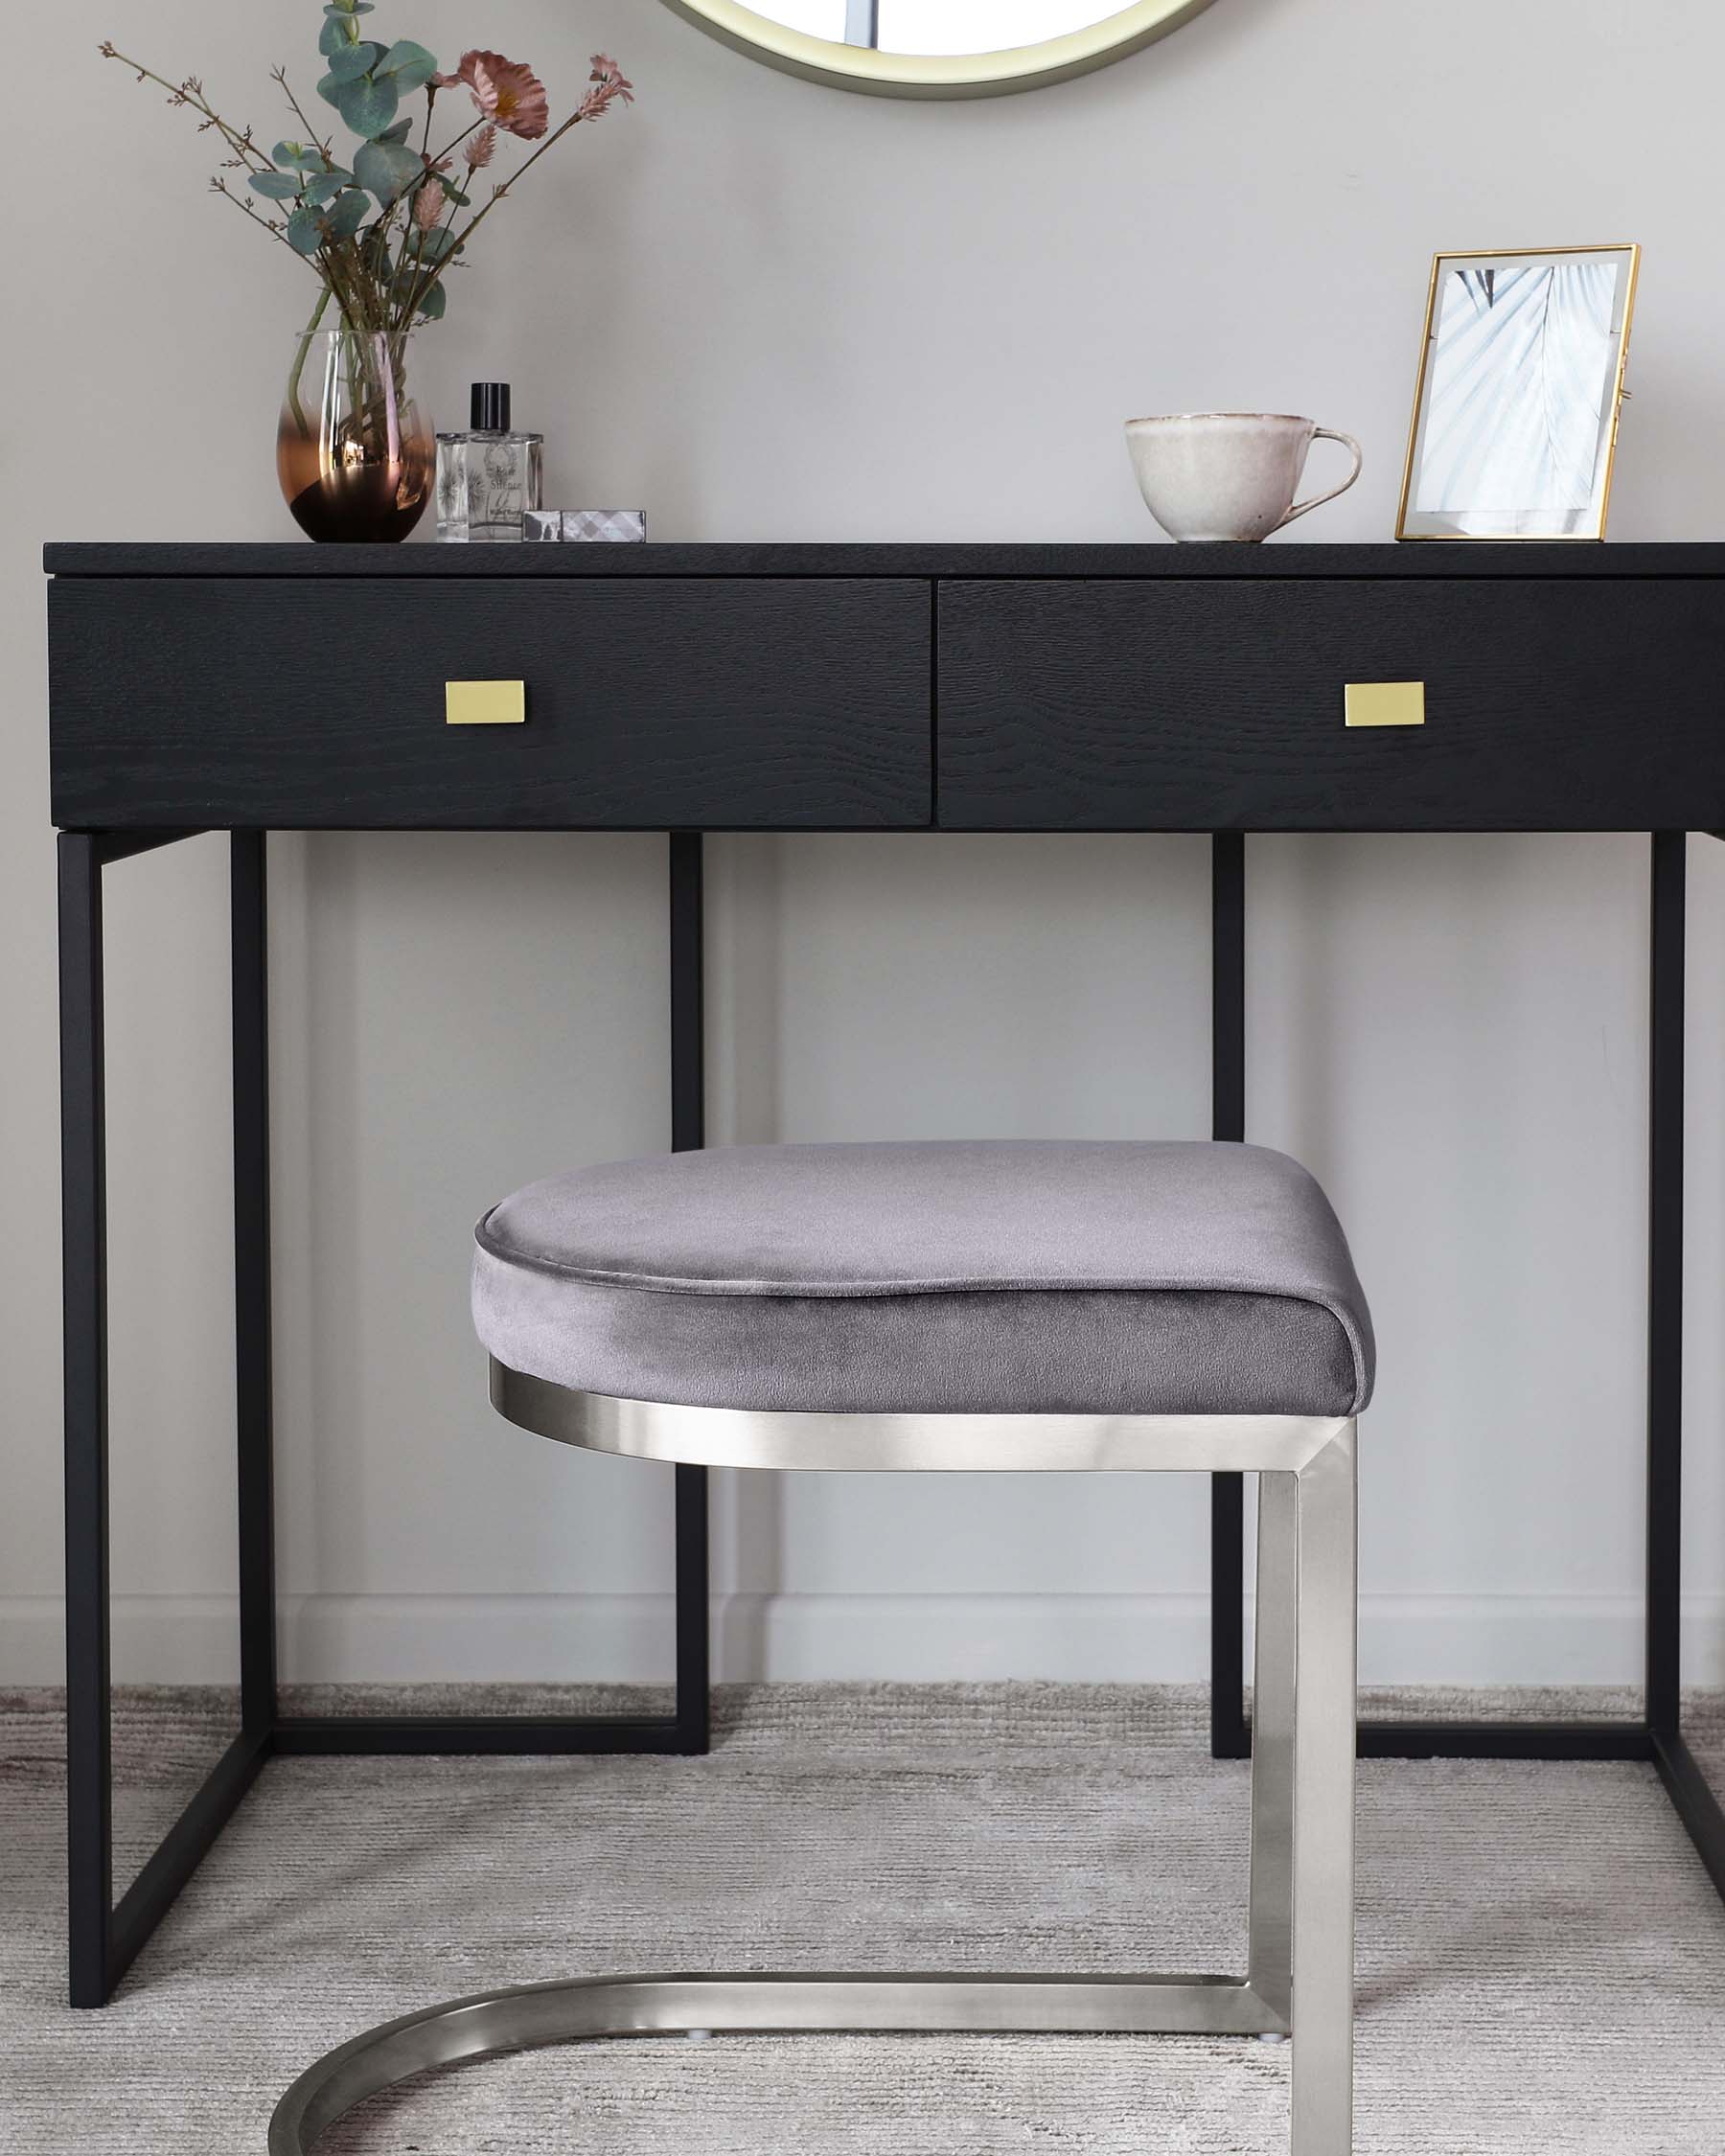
pixel 488 477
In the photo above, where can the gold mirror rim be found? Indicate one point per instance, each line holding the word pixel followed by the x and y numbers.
pixel 964 75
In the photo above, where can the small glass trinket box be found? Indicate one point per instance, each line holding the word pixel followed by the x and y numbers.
pixel 628 524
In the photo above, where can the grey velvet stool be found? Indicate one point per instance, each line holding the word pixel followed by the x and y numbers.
pixel 979 1306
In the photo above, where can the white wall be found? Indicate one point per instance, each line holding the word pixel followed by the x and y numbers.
pixel 765 310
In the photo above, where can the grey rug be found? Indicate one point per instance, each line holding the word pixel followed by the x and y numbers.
pixel 1542 1958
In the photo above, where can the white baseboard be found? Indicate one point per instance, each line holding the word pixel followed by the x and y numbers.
pixel 335 1639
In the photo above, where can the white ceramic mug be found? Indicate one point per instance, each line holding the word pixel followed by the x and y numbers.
pixel 1227 475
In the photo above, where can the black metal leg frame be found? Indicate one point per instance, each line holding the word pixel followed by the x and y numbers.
pixel 105 1938
pixel 1656 1736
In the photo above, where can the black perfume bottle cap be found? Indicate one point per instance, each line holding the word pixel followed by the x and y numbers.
pixel 491 407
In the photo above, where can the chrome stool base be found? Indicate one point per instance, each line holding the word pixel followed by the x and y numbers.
pixel 1299 1981
pixel 494 2023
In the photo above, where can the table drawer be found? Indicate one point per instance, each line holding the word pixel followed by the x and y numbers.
pixel 1549 704
pixel 320 702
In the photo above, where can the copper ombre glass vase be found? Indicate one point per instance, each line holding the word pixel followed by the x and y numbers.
pixel 355 453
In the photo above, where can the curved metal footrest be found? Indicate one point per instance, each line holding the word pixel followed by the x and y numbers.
pixel 532 2015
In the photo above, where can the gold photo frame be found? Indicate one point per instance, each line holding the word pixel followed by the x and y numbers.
pixel 1519 393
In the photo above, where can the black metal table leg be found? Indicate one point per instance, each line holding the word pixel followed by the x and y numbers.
pixel 83 1231
pixel 1655 1736
pixel 1665 1280
pixel 1229 1736
pixel 104 1939
pixel 686 1729
pixel 1697 1803
pixel 253 1389
pixel 688 1133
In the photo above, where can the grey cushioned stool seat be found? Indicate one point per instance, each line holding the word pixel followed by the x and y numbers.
pixel 1066 1276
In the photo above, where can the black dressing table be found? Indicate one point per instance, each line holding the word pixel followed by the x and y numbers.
pixel 1515 687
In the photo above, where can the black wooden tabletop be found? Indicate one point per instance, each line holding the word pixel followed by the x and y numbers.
pixel 1534 558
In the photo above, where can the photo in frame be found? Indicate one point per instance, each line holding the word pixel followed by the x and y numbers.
pixel 1521 380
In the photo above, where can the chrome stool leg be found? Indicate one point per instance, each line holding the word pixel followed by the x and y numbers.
pixel 1323 1803
pixel 1301 1966
pixel 1270 1958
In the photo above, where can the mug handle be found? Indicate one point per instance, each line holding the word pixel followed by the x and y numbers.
pixel 1327 435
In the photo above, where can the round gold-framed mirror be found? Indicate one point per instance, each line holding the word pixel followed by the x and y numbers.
pixel 938 48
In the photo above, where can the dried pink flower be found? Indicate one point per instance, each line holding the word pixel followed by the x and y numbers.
pixel 513 97
pixel 610 85
pixel 506 91
pixel 481 147
pixel 428 206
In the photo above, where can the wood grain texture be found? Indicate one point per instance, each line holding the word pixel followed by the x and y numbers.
pixel 1551 705
pixel 652 704
pixel 602 562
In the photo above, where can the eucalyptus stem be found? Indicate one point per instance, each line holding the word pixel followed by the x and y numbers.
pixel 244 206
pixel 334 270
pixel 318 142
pixel 299 357
pixel 190 92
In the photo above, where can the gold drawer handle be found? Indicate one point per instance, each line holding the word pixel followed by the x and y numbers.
pixel 485 704
pixel 1385 704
